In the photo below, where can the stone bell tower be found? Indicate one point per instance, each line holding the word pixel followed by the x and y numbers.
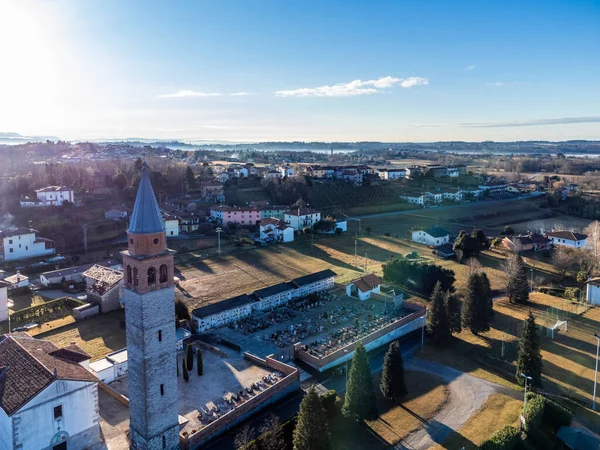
pixel 150 318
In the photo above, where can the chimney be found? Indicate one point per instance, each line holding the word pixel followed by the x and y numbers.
pixel 55 373
pixel 18 276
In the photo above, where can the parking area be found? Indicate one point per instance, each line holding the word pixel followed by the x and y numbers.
pixel 308 320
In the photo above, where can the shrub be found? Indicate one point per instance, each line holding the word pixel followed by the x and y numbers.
pixel 536 438
pixel 556 416
pixel 328 400
pixel 504 439
pixel 534 412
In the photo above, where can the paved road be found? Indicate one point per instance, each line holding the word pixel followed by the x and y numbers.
pixel 440 208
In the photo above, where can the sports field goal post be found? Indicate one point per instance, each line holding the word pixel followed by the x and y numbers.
pixel 559 325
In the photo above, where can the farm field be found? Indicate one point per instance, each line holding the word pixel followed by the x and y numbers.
pixel 568 359
pixel 99 335
pixel 497 411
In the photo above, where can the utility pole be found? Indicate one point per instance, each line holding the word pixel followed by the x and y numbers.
pixel 219 230
pixel 355 256
pixel 366 262
pixel 84 227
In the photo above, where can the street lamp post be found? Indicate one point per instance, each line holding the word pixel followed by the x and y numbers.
pixel 525 395
pixel 596 372
pixel 531 270
pixel 346 387
pixel 423 332
pixel 219 230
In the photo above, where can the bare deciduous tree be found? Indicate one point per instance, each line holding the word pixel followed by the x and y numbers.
pixel 243 437
pixel 272 437
pixel 562 259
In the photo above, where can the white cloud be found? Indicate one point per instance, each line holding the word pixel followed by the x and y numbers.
pixel 502 83
pixel 353 88
pixel 240 94
pixel 187 93
pixel 469 67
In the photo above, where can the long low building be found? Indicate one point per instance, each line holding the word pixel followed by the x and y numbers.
pixel 224 312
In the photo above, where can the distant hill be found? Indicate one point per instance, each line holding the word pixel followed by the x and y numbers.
pixel 11 138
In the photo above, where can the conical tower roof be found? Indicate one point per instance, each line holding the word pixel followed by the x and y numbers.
pixel 146 217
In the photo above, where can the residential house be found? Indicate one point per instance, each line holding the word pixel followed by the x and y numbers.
pixel 321 171
pixel 395 174
pixel 48 398
pixel 455 194
pixel 171 224
pixel 17 281
pixel 212 190
pixel 529 242
pixel 23 243
pixel 275 211
pixel 189 221
pixel 415 198
pixel 414 172
pixel 4 300
pixel 436 171
pixel 303 217
pixel 493 186
pixel 272 229
pixel 435 236
pixel 118 213
pixel 104 287
pixel 364 286
pixel 223 177
pixel 273 175
pixel 286 171
pixel 73 274
pixel 241 215
pixel 567 239
pixel 50 196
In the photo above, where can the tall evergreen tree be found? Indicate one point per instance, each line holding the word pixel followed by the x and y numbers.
pixel 186 375
pixel 438 325
pixel 453 311
pixel 199 362
pixel 359 402
pixel 392 377
pixel 190 178
pixel 516 282
pixel 487 286
pixel 529 357
pixel 311 432
pixel 476 305
pixel 189 357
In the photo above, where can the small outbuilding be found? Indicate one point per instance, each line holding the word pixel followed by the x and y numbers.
pixel 434 237
pixel 363 287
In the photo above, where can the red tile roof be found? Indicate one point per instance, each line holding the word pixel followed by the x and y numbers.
pixel 367 282
pixel 30 366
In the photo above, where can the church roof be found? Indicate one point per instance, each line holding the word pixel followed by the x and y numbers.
pixel 146 217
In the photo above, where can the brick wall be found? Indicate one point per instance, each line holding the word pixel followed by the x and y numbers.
pixel 321 362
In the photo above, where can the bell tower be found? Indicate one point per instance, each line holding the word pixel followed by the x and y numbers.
pixel 150 323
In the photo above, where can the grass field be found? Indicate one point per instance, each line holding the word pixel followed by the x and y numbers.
pixel 98 335
pixel 497 411
pixel 568 359
pixel 427 395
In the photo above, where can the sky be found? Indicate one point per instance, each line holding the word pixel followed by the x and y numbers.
pixel 269 70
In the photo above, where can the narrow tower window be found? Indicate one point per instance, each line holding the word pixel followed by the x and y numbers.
pixel 162 389
pixel 151 276
pixel 164 442
pixel 129 276
pixel 164 273
pixel 159 335
pixel 135 276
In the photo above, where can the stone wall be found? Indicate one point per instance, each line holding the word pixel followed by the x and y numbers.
pixel 85 311
pixel 373 340
pixel 287 385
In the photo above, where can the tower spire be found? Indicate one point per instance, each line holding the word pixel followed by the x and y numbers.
pixel 146 217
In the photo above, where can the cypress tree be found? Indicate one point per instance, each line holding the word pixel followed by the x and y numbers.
pixel 189 357
pixel 476 305
pixel 199 362
pixel 438 325
pixel 529 357
pixel 392 376
pixel 488 292
pixel 311 432
pixel 186 375
pixel 359 402
pixel 453 311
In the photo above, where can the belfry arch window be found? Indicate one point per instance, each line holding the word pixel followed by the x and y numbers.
pixel 151 276
pixel 129 276
pixel 135 276
pixel 164 273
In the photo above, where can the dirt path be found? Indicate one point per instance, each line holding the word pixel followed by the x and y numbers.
pixel 467 395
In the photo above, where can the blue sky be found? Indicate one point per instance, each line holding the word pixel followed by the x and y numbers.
pixel 301 70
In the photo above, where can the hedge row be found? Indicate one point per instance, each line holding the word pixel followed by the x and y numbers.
pixel 556 416
pixel 534 412
pixel 504 439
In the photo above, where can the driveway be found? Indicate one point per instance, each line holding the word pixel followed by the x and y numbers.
pixel 467 395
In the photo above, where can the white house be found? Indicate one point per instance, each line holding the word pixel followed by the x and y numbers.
pixel 17 281
pixel 567 239
pixel 416 198
pixel 434 236
pixel 48 399
pixel 593 291
pixel 395 174
pixel 22 243
pixel 4 300
pixel 171 224
pixel 453 194
pixel 300 218
pixel 273 175
pixel 223 177
pixel 286 171
pixel 51 196
pixel 364 286
pixel 272 229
